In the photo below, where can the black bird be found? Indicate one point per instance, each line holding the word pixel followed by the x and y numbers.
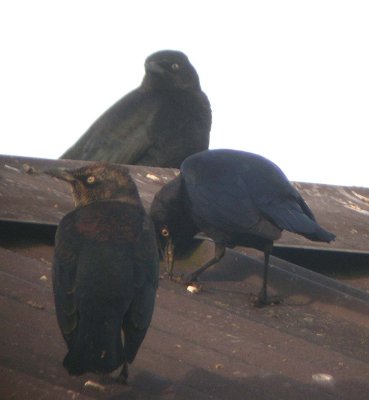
pixel 237 199
pixel 162 122
pixel 105 272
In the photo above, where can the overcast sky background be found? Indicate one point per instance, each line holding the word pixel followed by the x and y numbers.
pixel 286 79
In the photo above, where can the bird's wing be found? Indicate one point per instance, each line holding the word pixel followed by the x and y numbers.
pixel 138 318
pixel 281 203
pixel 234 190
pixel 120 135
pixel 225 206
pixel 221 185
pixel 66 254
pixel 291 212
pixel 94 247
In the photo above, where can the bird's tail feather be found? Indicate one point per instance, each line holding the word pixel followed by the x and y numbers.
pixel 294 220
pixel 97 347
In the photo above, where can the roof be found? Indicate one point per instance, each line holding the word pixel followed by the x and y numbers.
pixel 212 345
pixel 340 209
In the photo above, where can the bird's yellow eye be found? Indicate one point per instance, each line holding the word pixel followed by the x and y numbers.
pixel 165 232
pixel 175 67
pixel 91 179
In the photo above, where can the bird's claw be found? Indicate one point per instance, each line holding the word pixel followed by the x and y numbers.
pixel 262 300
pixel 174 278
pixel 190 279
pixel 123 376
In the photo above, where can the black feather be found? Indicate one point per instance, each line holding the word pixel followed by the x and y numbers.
pixel 105 272
pixel 159 124
pixel 237 199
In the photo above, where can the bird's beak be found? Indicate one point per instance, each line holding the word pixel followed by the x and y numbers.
pixel 60 173
pixel 153 67
pixel 169 256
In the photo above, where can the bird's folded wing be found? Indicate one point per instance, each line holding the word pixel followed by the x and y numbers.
pixel 138 318
pixel 223 207
pixel 64 276
pixel 121 134
pixel 242 193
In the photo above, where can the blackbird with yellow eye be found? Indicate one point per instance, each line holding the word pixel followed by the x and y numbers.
pixel 159 124
pixel 237 199
pixel 105 271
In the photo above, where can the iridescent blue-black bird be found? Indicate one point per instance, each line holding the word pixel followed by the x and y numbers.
pixel 160 123
pixel 237 199
pixel 105 272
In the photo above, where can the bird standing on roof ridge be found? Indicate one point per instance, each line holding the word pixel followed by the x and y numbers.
pixel 237 199
pixel 105 271
pixel 159 124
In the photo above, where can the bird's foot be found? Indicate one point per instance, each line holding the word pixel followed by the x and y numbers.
pixel 177 279
pixel 172 277
pixel 190 279
pixel 263 300
pixel 123 376
pixel 119 375
pixel 193 286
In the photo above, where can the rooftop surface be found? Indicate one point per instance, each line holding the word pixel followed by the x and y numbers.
pixel 212 345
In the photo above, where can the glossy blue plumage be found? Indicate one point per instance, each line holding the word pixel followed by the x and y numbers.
pixel 231 191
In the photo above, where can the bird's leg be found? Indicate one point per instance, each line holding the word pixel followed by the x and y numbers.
pixel 123 375
pixel 219 252
pixel 263 299
pixel 119 375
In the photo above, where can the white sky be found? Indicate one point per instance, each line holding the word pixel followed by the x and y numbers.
pixel 286 79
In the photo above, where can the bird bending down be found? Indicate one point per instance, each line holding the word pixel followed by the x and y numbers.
pixel 237 199
pixel 105 271
pixel 159 124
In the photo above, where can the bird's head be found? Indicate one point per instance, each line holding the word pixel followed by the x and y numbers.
pixel 99 181
pixel 170 69
pixel 173 225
